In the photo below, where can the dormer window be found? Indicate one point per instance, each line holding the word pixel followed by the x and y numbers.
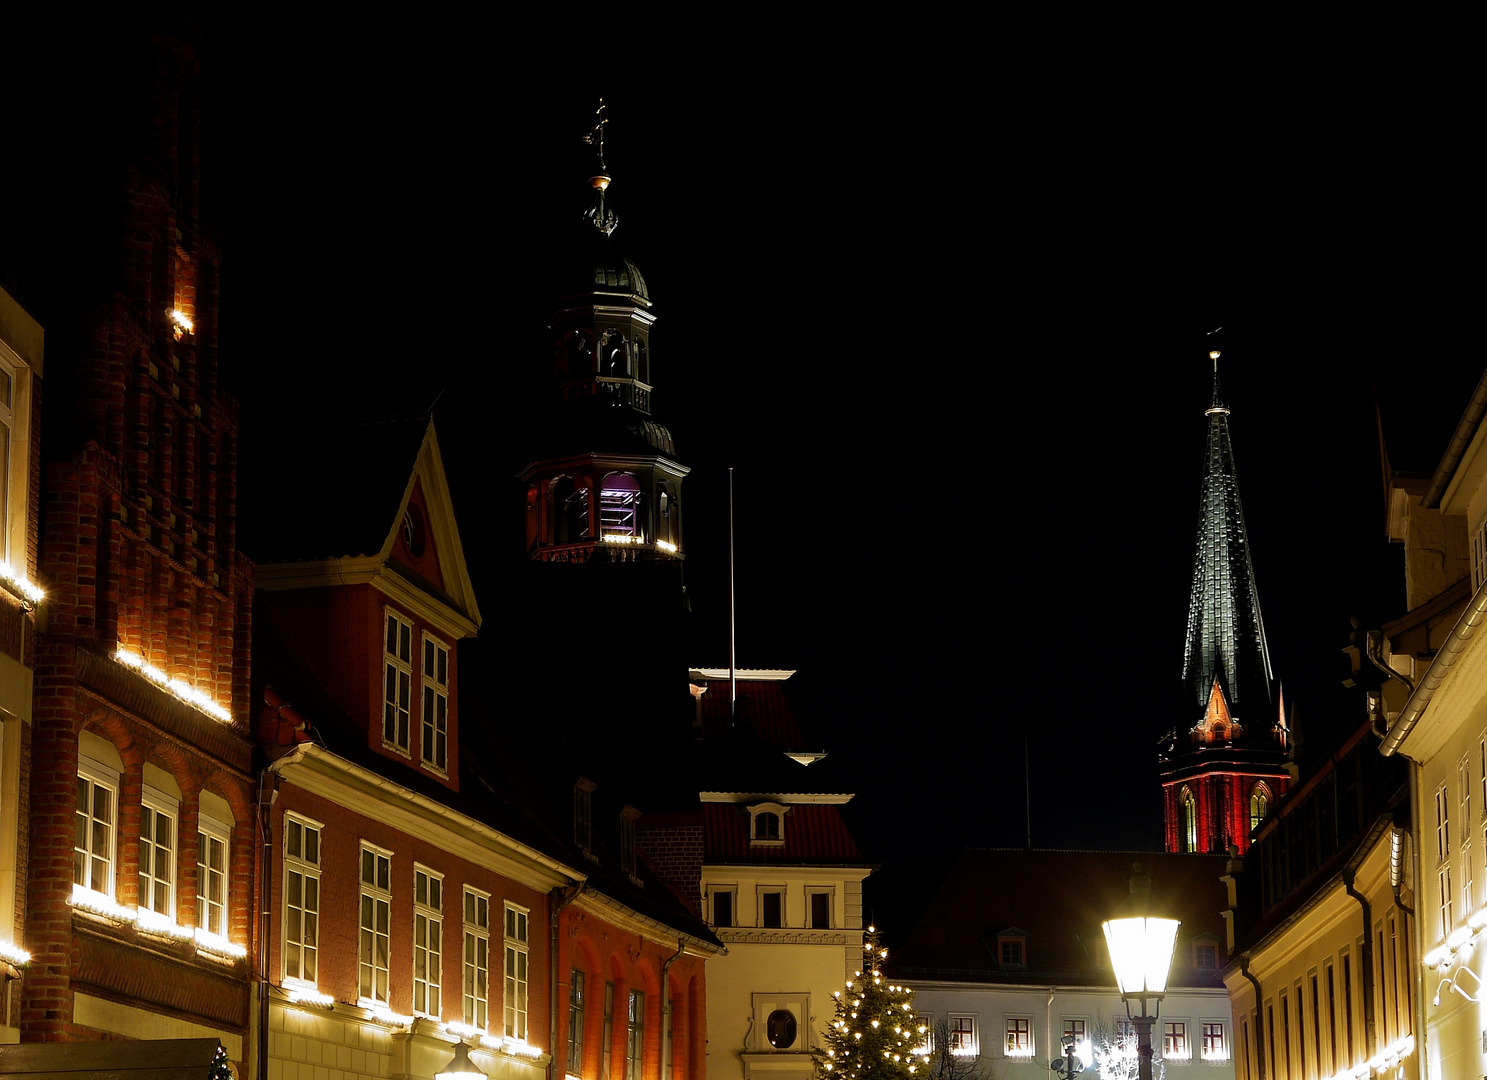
pixel 583 813
pixel 628 817
pixel 435 733
pixel 397 681
pixel 1205 953
pixel 1011 948
pixel 767 824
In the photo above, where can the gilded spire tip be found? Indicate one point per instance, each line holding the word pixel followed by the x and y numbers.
pixel 599 215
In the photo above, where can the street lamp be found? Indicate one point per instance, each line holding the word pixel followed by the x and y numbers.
pixel 1141 953
pixel 460 1066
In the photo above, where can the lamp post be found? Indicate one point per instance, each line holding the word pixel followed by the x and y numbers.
pixel 1141 953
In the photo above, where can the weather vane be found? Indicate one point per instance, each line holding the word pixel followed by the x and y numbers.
pixel 1213 353
pixel 595 137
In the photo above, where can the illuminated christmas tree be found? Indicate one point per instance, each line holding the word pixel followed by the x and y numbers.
pixel 875 1033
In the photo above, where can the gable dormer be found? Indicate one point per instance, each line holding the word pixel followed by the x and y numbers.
pixel 381 626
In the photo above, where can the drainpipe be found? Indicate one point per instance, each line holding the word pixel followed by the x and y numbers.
pixel 666 1018
pixel 265 828
pixel 552 976
pixel 1370 1033
pixel 1396 868
pixel 1259 1012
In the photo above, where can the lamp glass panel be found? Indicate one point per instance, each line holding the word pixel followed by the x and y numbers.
pixel 1141 953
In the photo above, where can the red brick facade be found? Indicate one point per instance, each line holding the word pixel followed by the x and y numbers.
pixel 139 556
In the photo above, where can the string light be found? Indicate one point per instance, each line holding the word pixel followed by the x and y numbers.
pixel 12 954
pixel 187 693
pixel 17 582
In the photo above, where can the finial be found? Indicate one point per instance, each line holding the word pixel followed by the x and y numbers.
pixel 599 215
pixel 1217 408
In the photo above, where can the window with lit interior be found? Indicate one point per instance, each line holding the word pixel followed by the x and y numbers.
pixel 1189 807
pixel 619 506
pixel 1019 1036
pixel 1215 1041
pixel 963 1036
pixel 1259 805
pixel 1175 1039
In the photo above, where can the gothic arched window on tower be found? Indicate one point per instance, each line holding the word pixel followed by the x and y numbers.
pixel 619 504
pixel 1259 805
pixel 614 355
pixel 1189 819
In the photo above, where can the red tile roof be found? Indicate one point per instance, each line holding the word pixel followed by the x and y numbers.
pixel 813 834
pixel 762 705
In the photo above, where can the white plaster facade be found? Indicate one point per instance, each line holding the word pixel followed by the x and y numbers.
pixel 995 1009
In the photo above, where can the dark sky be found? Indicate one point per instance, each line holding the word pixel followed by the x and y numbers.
pixel 948 329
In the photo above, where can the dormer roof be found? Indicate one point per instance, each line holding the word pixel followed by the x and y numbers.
pixel 343 522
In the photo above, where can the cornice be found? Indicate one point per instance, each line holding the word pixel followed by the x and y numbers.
pixel 367 570
pixel 607 460
pixel 362 791
pixel 751 936
pixel 623 917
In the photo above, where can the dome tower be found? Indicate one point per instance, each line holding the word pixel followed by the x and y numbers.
pixel 606 484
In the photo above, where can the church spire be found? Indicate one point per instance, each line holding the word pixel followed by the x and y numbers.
pixel 1226 635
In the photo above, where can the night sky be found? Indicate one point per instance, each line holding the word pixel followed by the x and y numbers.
pixel 950 335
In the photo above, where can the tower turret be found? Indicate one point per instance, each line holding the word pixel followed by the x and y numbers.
pixel 1223 764
pixel 606 482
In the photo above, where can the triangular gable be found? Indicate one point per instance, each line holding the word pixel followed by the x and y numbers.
pixel 431 482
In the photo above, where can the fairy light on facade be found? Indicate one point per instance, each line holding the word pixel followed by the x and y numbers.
pixel 187 693
pixel 390 1018
pixel 12 954
pixel 17 583
pixel 217 945
pixel 152 922
pixel 181 321
pixel 1390 1057
pixel 308 995
pixel 667 546
pixel 97 903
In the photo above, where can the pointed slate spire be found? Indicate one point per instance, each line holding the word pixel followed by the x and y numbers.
pixel 1226 637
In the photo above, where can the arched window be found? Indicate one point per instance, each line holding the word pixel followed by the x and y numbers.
pixel 572 501
pixel 619 501
pixel 766 826
pixel 614 356
pixel 642 361
pixel 1259 805
pixel 1189 819
pixel 665 530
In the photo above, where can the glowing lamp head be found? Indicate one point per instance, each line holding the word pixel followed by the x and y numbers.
pixel 460 1067
pixel 1213 354
pixel 1141 953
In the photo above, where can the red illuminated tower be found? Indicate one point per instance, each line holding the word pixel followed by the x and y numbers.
pixel 1225 762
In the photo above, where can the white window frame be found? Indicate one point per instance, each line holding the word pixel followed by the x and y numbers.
pixel 209 828
pixel 1019 1052
pixel 1443 877
pixel 1185 1051
pixel 159 804
pixel 400 669
pixel 374 910
pixel 779 810
pixel 1226 1052
pixel 1479 554
pixel 1081 1040
pixel 516 969
pixel 15 462
pixel 1442 824
pixel 474 1006
pixel 714 891
pixel 428 916
pixel 760 892
pixel 308 871
pixel 99 775
pixel 964 1042
pixel 927 1022
pixel 435 695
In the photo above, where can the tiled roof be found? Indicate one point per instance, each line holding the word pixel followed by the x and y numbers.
pixel 763 706
pixel 813 834
pixel 1060 899
pixel 1225 634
